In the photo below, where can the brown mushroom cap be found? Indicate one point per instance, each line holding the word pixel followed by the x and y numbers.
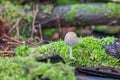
pixel 71 39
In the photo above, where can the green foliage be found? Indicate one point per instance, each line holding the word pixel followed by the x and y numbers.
pixel 107 29
pixel 64 2
pixel 107 40
pixel 101 28
pixel 110 10
pixel 54 72
pixel 2 1
pixel 114 9
pixel 72 13
pixel 49 32
pixel 88 52
pixel 12 13
pixel 15 2
pixel 47 9
pixel 15 68
pixel 88 9
pixel 23 50
pixel 26 68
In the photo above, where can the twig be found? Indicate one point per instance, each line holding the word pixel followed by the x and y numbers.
pixel 1 52
pixel 5 50
pixel 17 32
pixel 59 24
pixel 40 32
pixel 17 23
pixel 13 43
pixel 12 39
pixel 33 21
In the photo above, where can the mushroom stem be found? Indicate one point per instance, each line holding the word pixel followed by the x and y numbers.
pixel 71 57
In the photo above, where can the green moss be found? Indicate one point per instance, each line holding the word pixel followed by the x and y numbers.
pixel 114 9
pixel 72 13
pixel 12 13
pixel 107 29
pixel 86 9
pixel 15 68
pixel 15 2
pixel 88 52
pixel 26 68
pixel 54 72
pixel 100 28
pixel 23 51
pixel 47 9
pixel 107 40
pixel 110 10
pixel 64 2
pixel 49 32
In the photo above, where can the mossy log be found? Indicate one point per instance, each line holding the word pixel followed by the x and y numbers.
pixel 85 14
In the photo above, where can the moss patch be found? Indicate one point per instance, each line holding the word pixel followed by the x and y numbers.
pixel 72 13
pixel 26 68
pixel 107 29
pixel 49 32
pixel 64 2
pixel 47 9
pixel 88 52
pixel 86 9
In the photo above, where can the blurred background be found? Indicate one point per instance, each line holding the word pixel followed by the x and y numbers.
pixel 52 19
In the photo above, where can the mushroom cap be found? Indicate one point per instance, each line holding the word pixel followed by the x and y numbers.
pixel 71 39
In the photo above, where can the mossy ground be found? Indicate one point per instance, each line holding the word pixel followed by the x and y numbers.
pixel 26 68
pixel 88 52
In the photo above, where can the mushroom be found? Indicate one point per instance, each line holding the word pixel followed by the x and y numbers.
pixel 70 40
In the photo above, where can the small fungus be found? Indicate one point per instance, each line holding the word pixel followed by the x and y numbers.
pixel 70 40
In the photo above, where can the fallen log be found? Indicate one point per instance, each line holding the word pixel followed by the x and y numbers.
pixel 85 14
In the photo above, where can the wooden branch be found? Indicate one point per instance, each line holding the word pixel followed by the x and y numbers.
pixel 59 23
pixel 40 32
pixel 10 52
pixel 17 41
pixel 13 43
pixel 33 21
